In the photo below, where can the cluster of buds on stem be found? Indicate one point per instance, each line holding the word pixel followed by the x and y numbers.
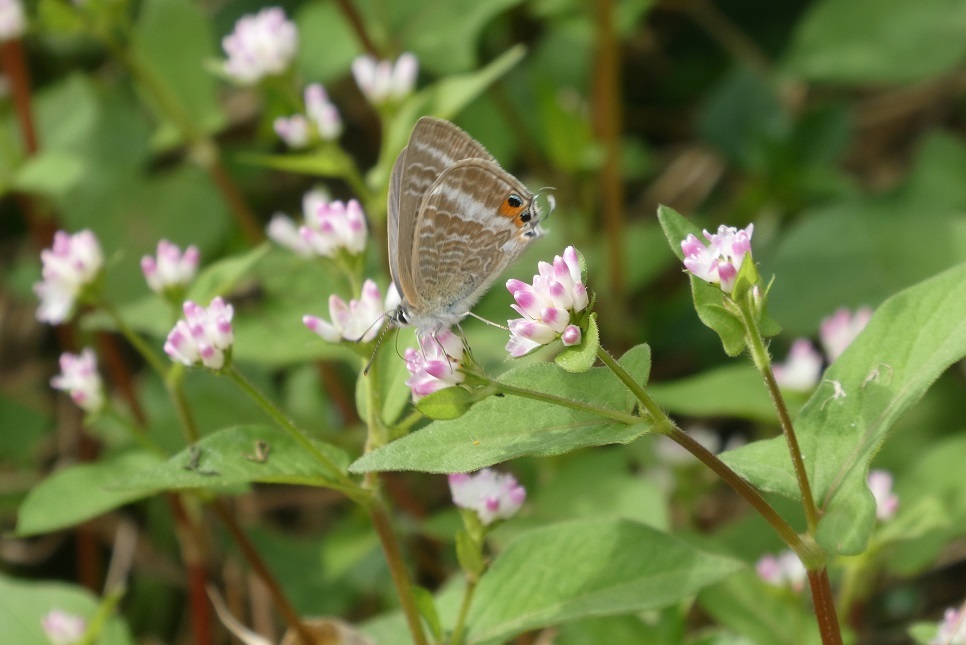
pixel 321 119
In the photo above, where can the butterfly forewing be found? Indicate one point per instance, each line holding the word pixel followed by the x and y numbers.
pixel 463 239
pixel 434 146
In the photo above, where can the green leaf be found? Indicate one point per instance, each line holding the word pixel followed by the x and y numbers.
pixel 708 298
pixel 448 403
pixel 49 173
pixel 327 54
pixel 614 567
pixel 730 391
pixel 391 374
pixel 227 458
pixel 427 609
pixel 877 41
pixel 77 493
pixel 581 357
pixel 912 338
pixel 468 553
pixel 23 606
pixel 502 428
pixel 322 163
pixel 179 71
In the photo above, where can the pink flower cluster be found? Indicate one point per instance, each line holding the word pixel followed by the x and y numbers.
pixel 355 321
pixel 719 261
pixel 70 265
pixel 335 225
pixel 321 118
pixel 80 379
pixel 952 629
pixel 494 496
pixel 886 502
pixel 382 81
pixel 171 269
pixel 803 366
pixel 62 628
pixel 547 304
pixel 783 570
pixel 261 45
pixel 435 365
pixel 203 336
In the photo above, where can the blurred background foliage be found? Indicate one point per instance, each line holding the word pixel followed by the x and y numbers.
pixel 835 126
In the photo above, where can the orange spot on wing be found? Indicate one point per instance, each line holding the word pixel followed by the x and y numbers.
pixel 512 212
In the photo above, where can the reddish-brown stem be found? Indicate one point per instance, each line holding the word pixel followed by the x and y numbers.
pixel 358 26
pixel 236 201
pixel 828 622
pixel 191 543
pixel 255 561
pixel 607 127
pixel 15 67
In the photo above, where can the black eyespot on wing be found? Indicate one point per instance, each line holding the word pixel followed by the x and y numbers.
pixel 514 201
pixel 525 217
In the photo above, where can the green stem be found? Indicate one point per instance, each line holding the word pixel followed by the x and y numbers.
pixel 176 391
pixel 759 354
pixel 404 426
pixel 653 409
pixel 378 435
pixel 139 344
pixel 457 636
pixel 345 483
pixel 607 413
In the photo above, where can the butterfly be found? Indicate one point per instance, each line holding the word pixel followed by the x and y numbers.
pixel 456 221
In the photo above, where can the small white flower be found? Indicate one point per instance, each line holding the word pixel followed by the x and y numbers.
pixel 261 45
pixel 491 494
pixel 62 628
pixel 321 119
pixel 13 23
pixel 204 336
pixel 332 226
pixel 802 369
pixel 952 628
pixel 355 321
pixel 171 268
pixel 72 263
pixel 719 261
pixel 384 81
pixel 293 130
pixel 80 379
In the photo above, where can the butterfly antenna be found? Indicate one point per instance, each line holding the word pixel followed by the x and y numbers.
pixel 489 322
pixel 375 350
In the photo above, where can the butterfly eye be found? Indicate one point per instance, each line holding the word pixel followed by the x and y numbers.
pixel 514 201
pixel 525 217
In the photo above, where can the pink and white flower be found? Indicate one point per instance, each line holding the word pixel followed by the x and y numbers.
pixel 546 305
pixel 494 496
pixel 261 45
pixel 171 269
pixel 331 226
pixel 886 502
pixel 801 369
pixel 80 379
pixel 321 119
pixel 783 570
pixel 71 264
pixel 836 332
pixel 952 628
pixel 62 628
pixel 719 261
pixel 204 336
pixel 382 81
pixel 435 365
pixel 13 23
pixel 355 321
pixel 283 230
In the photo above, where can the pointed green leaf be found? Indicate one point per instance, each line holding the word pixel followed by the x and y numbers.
pixel 77 493
pixel 23 606
pixel 501 428
pixel 448 403
pixel 229 457
pixel 220 277
pixel 613 567
pixel 912 338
